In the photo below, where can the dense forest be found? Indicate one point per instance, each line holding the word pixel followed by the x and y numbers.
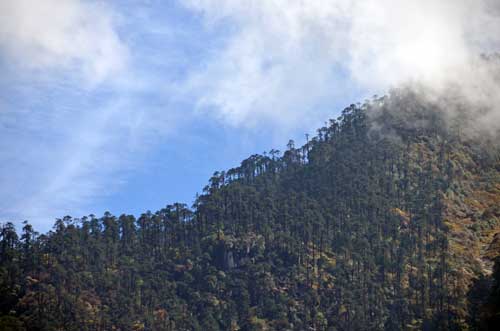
pixel 387 219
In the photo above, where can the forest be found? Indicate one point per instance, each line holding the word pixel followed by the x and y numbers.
pixel 387 219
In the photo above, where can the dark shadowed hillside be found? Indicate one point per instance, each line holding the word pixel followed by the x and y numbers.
pixel 387 219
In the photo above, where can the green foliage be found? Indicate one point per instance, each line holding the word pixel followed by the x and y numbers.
pixel 343 233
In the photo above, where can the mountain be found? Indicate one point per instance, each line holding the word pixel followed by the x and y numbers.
pixel 388 219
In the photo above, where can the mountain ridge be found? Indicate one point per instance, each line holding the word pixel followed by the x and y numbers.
pixel 387 219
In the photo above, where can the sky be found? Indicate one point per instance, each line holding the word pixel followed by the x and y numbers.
pixel 127 106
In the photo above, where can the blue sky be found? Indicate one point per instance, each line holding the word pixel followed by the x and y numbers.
pixel 127 106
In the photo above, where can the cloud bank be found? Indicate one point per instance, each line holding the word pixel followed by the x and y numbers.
pixel 282 57
pixel 87 86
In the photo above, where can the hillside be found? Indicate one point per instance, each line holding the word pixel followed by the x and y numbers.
pixel 388 219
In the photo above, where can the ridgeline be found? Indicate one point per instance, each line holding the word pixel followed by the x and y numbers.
pixel 388 219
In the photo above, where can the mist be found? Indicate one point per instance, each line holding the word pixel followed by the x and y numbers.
pixel 279 49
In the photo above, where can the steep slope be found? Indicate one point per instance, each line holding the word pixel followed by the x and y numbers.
pixel 387 219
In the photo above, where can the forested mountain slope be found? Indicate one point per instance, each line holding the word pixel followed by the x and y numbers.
pixel 388 219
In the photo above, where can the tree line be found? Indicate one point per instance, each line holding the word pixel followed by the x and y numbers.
pixel 343 233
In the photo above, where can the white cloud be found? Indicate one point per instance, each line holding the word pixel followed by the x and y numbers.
pixel 70 121
pixel 62 35
pixel 62 145
pixel 282 57
pixel 56 161
pixel 64 160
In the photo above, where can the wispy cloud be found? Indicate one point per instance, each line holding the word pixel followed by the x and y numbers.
pixel 62 35
pixel 87 88
pixel 70 114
